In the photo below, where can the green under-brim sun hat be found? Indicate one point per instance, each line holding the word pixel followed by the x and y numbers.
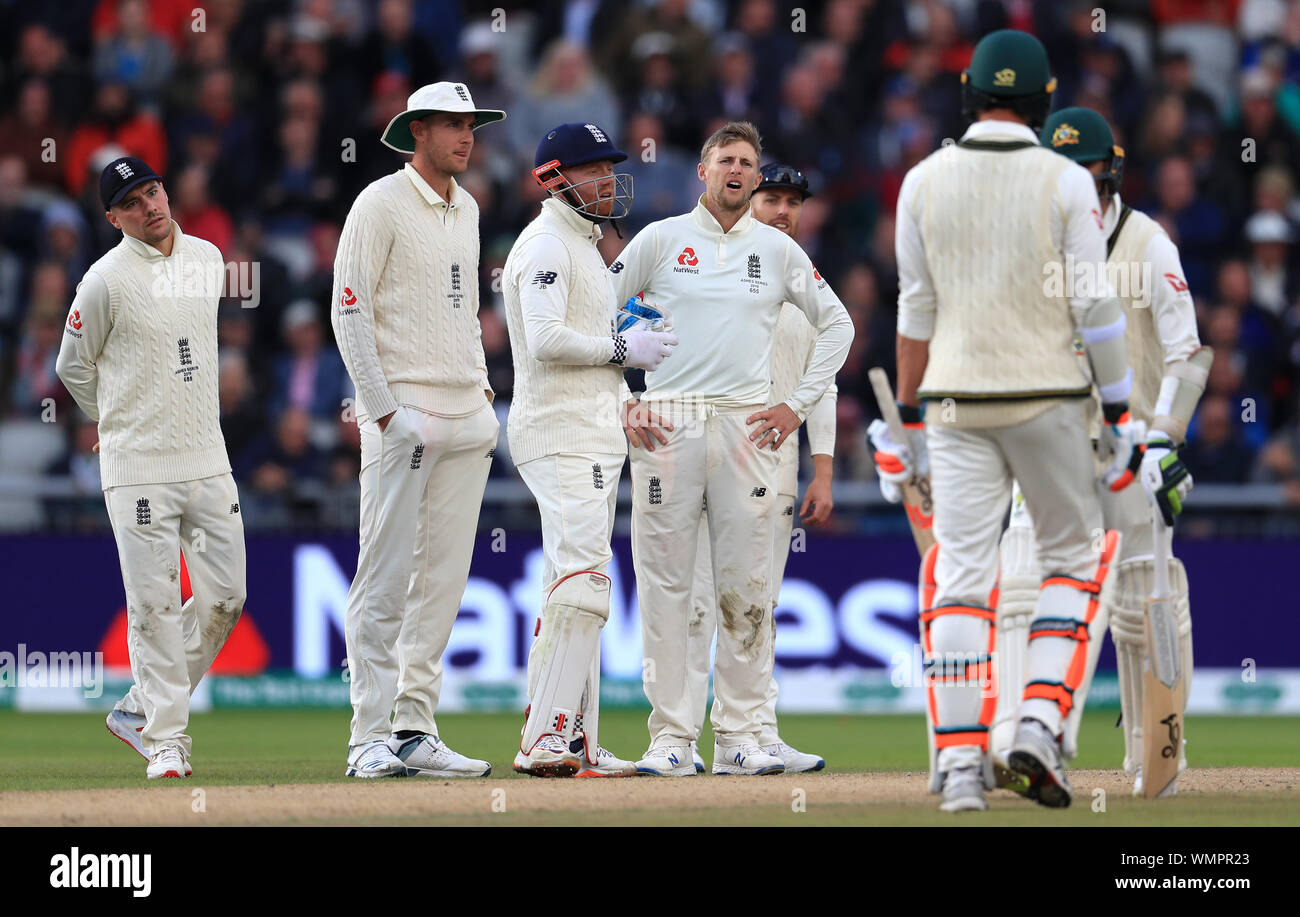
pixel 427 100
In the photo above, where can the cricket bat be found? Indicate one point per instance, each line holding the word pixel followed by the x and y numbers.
pixel 916 491
pixel 1162 713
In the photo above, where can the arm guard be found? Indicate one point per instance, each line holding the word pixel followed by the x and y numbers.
pixel 1180 390
pixel 1102 334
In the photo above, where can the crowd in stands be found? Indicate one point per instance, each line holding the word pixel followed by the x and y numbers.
pixel 264 117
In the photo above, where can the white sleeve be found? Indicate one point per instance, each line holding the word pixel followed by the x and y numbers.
pixel 363 249
pixel 916 300
pixel 84 333
pixel 543 272
pixel 826 314
pixel 634 268
pixel 1083 238
pixel 1174 311
pixel 821 423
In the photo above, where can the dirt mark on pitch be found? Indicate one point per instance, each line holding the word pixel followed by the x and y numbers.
pixel 751 799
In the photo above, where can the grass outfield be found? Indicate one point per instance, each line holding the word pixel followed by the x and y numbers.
pixel 253 765
pixel 75 751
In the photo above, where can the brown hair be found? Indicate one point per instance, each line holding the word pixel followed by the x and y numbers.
pixel 730 133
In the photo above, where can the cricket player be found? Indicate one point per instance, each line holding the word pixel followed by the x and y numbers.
pixel 1170 372
pixel 566 436
pixel 987 342
pixel 405 314
pixel 778 202
pixel 139 355
pixel 705 428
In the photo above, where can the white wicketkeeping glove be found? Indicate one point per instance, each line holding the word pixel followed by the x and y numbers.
pixel 643 349
pixel 639 313
pixel 896 462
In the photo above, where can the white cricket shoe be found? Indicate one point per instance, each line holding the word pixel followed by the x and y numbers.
pixel 1037 755
pixel 963 790
pixel 667 761
pixel 429 756
pixel 795 761
pixel 696 759
pixel 168 762
pixel 607 763
pixel 127 727
pixel 748 759
pixel 374 759
pixel 549 757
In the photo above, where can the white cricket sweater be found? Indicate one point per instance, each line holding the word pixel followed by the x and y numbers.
pixel 792 350
pixel 560 308
pixel 405 308
pixel 724 291
pixel 139 355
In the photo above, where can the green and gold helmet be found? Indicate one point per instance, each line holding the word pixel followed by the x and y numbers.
pixel 1009 69
pixel 1083 135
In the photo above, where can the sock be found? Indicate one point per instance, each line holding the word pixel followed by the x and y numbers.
pixel 403 734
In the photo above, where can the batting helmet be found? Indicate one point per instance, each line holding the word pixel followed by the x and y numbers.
pixel 1083 135
pixel 577 144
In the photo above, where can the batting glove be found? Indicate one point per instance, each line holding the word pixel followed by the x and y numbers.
pixel 1165 478
pixel 643 349
pixel 640 313
pixel 897 462
pixel 1125 437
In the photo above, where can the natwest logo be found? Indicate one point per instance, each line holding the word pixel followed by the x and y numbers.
pixel 688 257
pixel 1179 285
pixel 349 298
pixel 74 320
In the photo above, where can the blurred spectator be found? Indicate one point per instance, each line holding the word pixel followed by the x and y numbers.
pixel 766 28
pixel 345 458
pixel 480 61
pixel 394 47
pixel 134 54
pixel 42 54
pixel 1194 223
pixel 690 44
pixel 1272 283
pixel 242 420
pixel 32 134
pixel 194 210
pixel 169 18
pixel 63 239
pixel 279 460
pixel 36 385
pixel 214 133
pixel 1216 454
pixel 664 184
pixel 565 89
pixel 659 91
pixel 1176 79
pixel 115 119
pixel 20 210
pixel 734 92
pixel 309 377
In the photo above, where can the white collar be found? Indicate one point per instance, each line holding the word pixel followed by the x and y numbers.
pixel 709 223
pixel 571 218
pixel 986 130
pixel 147 251
pixel 427 192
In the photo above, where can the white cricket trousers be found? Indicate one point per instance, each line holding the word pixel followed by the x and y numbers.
pixel 577 496
pixel 971 472
pixel 704 622
pixel 422 483
pixel 708 456
pixel 171 649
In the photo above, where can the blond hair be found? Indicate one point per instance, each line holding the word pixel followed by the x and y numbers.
pixel 730 133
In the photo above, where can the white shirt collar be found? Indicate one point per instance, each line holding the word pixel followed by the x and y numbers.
pixel 1010 130
pixel 709 223
pixel 1111 216
pixel 147 251
pixel 427 192
pixel 571 218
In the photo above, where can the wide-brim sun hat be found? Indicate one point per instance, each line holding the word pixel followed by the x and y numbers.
pixel 427 100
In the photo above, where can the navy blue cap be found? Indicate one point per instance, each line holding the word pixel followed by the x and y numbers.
pixel 120 176
pixel 576 144
pixel 780 175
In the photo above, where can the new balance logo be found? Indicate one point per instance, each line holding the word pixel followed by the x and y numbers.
pixel 416 454
pixel 739 759
pixel 758 492
pixel 672 758
pixel 597 477
pixel 616 267
pixel 755 268
pixel 142 511
pixel 544 278
pixel 788 511
pixel 234 509
pixel 656 493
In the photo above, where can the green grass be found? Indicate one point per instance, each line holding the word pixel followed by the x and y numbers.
pixel 75 751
